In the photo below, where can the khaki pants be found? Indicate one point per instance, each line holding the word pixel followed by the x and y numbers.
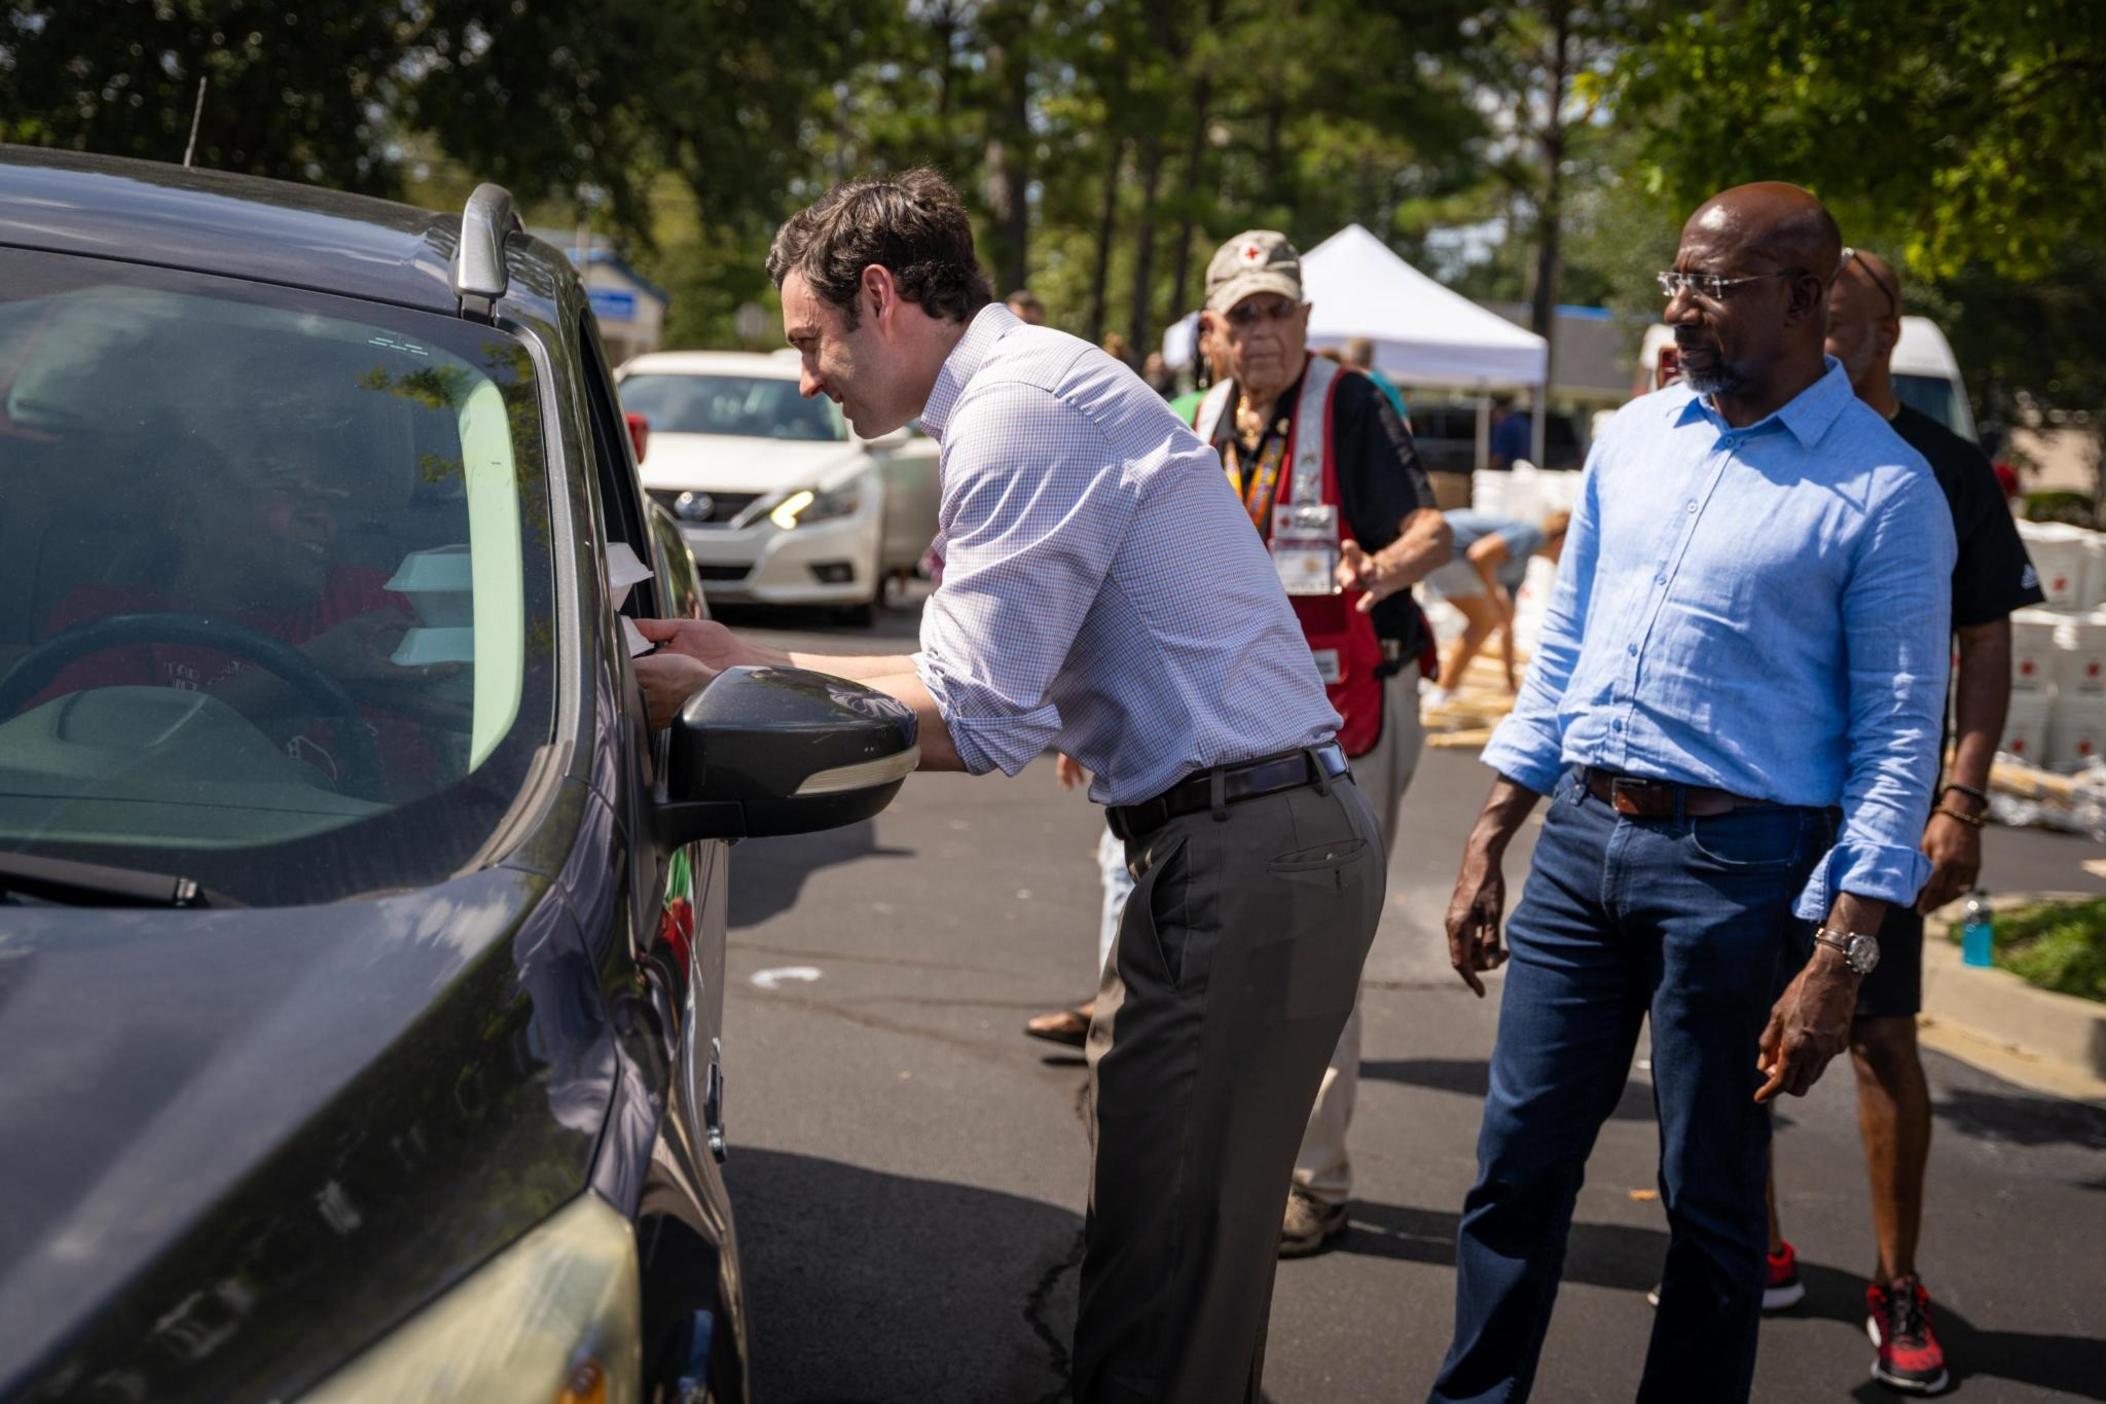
pixel 1383 774
pixel 1237 964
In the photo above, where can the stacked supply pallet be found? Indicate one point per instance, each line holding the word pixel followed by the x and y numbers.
pixel 2057 719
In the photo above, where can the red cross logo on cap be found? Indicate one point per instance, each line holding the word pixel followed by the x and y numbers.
pixel 1252 253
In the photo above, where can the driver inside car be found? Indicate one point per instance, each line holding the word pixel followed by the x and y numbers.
pixel 250 534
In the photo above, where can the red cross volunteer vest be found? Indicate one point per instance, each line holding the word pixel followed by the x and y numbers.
pixel 1305 546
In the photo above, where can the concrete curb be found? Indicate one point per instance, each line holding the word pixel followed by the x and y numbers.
pixel 1991 1018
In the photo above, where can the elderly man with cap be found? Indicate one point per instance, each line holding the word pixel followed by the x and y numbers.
pixel 1327 472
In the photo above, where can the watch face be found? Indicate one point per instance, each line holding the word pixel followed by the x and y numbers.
pixel 1863 954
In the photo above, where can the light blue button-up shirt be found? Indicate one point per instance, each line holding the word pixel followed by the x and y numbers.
pixel 1763 610
pixel 1102 590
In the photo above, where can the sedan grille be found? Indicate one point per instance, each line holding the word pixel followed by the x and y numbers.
pixel 705 508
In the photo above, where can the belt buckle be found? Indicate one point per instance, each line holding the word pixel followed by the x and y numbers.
pixel 1623 796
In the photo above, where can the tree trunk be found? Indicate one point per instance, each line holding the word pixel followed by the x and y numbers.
pixel 1142 335
pixel 1543 310
pixel 1107 225
pixel 1181 301
pixel 1008 163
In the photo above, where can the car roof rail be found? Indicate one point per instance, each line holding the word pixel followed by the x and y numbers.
pixel 479 275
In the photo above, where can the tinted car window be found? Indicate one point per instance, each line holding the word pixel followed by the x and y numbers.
pixel 274 601
pixel 1935 396
pixel 730 404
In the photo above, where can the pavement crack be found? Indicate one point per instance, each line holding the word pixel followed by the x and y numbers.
pixel 1035 1307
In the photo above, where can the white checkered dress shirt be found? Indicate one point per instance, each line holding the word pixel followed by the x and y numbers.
pixel 1102 590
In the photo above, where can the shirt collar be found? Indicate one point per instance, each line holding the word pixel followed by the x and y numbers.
pixel 1806 415
pixel 989 325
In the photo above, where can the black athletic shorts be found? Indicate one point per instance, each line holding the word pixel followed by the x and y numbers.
pixel 1895 986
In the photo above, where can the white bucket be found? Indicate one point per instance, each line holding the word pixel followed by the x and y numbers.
pixel 2033 655
pixel 2080 654
pixel 2025 728
pixel 2076 732
pixel 2094 570
pixel 2061 556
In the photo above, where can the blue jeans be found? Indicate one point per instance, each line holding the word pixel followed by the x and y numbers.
pixel 1688 921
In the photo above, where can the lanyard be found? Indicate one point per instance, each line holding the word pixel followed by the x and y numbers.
pixel 1264 486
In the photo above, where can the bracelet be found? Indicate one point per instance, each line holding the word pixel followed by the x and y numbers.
pixel 1968 790
pixel 1972 821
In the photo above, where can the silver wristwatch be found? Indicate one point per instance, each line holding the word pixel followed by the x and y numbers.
pixel 1859 951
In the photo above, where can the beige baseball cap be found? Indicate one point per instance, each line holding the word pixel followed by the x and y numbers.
pixel 1255 261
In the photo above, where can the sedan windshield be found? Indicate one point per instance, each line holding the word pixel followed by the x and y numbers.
pixel 273 580
pixel 755 406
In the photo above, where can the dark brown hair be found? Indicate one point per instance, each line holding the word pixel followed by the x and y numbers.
pixel 915 226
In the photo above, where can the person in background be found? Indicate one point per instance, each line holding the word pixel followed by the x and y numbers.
pixel 1491 562
pixel 1991 577
pixel 1510 435
pixel 1359 353
pixel 1028 309
pixel 1156 371
pixel 1102 596
pixel 1117 347
pixel 1331 482
pixel 1734 711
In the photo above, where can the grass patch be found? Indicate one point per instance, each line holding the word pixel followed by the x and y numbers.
pixel 2059 946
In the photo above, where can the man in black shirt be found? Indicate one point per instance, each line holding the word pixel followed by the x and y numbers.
pixel 1331 481
pixel 1991 577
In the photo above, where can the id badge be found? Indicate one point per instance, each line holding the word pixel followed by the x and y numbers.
pixel 1327 666
pixel 1305 548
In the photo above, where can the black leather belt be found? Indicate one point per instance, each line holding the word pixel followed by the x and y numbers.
pixel 1242 780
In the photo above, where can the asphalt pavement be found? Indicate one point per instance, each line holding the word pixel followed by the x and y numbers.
pixel 910 1172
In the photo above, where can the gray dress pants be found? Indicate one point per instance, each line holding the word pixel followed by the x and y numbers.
pixel 1237 963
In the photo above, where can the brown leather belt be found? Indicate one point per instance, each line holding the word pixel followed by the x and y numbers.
pixel 1641 798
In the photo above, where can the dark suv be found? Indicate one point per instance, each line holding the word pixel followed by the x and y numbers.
pixel 361 951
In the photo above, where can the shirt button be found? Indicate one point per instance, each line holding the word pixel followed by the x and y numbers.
pixel 1659 580
pixel 1631 649
pixel 1616 726
pixel 1689 506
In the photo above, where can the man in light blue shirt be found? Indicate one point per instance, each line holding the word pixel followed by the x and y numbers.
pixel 1735 712
pixel 1102 592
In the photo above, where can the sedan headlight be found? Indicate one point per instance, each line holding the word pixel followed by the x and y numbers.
pixel 556 1317
pixel 807 506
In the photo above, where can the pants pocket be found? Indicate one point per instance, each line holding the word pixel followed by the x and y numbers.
pixel 1748 840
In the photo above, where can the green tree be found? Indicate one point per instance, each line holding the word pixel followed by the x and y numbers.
pixel 295 90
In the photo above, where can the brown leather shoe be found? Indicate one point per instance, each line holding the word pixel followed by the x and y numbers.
pixel 1310 1225
pixel 1070 1028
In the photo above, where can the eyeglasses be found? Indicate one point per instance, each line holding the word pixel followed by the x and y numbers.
pixel 1251 311
pixel 1710 287
pixel 1893 302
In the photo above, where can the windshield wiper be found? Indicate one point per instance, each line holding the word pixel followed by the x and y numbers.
pixel 100 884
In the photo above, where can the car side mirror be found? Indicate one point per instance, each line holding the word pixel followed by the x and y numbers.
pixel 764 751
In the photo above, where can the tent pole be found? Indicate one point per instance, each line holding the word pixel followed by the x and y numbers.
pixel 1484 428
pixel 1540 424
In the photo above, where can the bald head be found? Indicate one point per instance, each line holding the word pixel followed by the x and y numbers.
pixel 1864 323
pixel 1774 223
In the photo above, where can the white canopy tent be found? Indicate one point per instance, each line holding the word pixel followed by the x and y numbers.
pixel 1423 333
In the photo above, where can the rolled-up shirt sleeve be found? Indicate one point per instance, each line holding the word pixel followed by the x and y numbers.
pixel 1897 647
pixel 1035 505
pixel 1529 745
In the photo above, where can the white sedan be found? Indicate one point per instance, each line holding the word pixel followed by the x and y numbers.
pixel 780 502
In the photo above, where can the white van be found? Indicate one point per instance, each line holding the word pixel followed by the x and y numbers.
pixel 1926 376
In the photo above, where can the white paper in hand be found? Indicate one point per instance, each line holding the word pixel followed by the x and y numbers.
pixel 637 642
pixel 624 572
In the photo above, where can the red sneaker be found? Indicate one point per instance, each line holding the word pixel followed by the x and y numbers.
pixel 1898 1319
pixel 1781 1287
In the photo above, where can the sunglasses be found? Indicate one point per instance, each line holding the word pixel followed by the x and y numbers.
pixel 1252 311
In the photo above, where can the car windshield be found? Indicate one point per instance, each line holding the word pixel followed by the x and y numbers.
pixel 1937 397
pixel 761 407
pixel 273 580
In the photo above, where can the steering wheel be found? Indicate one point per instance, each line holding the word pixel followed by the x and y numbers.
pixel 359 758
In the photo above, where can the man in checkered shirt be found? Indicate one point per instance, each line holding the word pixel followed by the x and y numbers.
pixel 1103 593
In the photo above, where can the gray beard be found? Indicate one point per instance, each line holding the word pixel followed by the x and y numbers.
pixel 1723 381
